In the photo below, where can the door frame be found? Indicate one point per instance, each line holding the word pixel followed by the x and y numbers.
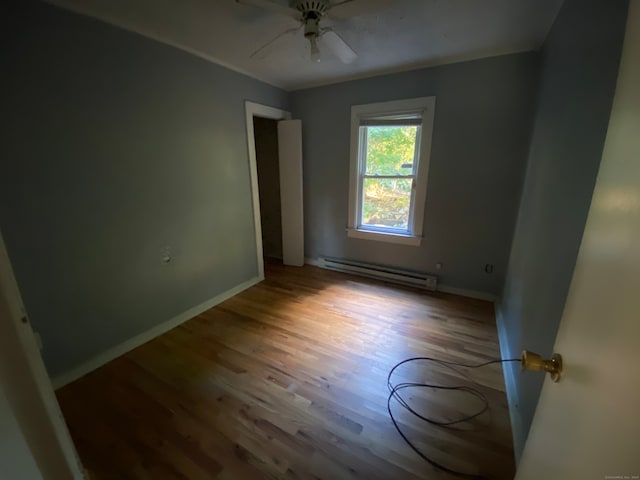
pixel 253 109
pixel 28 387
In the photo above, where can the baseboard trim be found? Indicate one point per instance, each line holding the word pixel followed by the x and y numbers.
pixel 509 370
pixel 463 292
pixel 312 261
pixel 134 342
pixel 490 297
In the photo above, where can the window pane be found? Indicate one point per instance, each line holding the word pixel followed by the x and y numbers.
pixel 386 202
pixel 391 150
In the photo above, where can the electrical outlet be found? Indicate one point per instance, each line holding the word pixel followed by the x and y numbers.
pixel 488 268
pixel 439 266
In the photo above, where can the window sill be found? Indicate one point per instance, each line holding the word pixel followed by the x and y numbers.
pixel 384 237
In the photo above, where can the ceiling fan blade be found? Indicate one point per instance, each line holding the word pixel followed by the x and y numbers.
pixel 273 7
pixel 338 46
pixel 354 8
pixel 337 3
pixel 264 50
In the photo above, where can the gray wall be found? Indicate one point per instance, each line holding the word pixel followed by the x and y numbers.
pixel 113 147
pixel 482 123
pixel 579 68
pixel 268 163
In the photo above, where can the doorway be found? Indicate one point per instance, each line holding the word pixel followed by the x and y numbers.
pixel 288 144
pixel 267 162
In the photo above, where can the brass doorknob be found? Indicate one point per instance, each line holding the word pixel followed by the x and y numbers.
pixel 534 362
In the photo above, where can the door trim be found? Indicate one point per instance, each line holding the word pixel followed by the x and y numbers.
pixel 255 109
pixel 28 389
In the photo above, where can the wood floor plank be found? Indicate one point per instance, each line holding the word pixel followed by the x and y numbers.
pixel 288 380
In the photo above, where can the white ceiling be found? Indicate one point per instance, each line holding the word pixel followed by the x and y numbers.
pixel 403 35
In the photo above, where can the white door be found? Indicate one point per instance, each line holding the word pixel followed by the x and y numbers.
pixel 588 425
pixel 28 400
pixel 290 153
pixel 15 456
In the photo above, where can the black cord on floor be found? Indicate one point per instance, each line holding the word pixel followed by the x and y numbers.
pixel 394 394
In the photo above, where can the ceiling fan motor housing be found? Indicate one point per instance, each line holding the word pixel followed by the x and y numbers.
pixel 311 9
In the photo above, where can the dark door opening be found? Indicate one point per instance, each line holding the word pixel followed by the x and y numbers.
pixel 267 161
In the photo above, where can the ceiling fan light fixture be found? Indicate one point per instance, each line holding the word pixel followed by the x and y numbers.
pixel 309 13
pixel 312 33
pixel 315 51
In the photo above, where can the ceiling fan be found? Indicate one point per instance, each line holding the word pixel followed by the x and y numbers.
pixel 309 13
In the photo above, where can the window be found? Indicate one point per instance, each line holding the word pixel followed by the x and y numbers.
pixel 390 146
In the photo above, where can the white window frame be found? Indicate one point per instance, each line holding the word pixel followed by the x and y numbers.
pixel 424 105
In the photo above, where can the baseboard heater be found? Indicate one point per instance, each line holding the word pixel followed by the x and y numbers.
pixel 403 277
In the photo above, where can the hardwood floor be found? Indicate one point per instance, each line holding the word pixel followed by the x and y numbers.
pixel 288 381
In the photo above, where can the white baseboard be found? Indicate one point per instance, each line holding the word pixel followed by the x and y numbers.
pixel 128 345
pixel 490 297
pixel 463 292
pixel 312 261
